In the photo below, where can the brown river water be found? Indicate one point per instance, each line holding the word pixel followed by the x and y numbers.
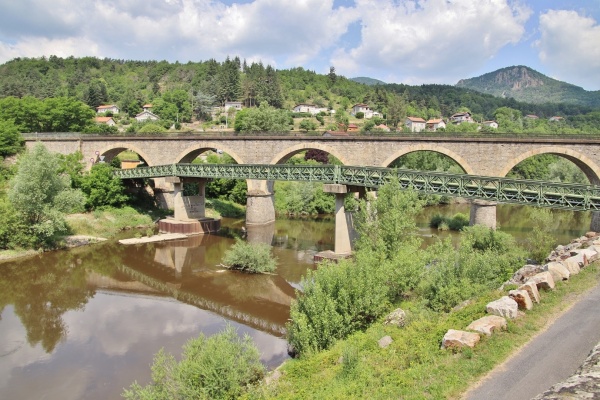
pixel 85 323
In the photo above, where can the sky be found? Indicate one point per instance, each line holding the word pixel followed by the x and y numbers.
pixel 397 41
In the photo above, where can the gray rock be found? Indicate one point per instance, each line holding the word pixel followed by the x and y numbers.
pixel 532 289
pixel 384 342
pixel 396 317
pixel 572 264
pixel 558 270
pixel 522 298
pixel 543 280
pixel 487 324
pixel 525 272
pixel 457 339
pixel 503 307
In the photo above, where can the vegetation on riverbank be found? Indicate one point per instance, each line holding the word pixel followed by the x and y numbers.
pixel 255 258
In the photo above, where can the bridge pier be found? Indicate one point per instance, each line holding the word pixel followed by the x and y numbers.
pixel 189 211
pixel 344 229
pixel 260 204
pixel 483 213
pixel 595 223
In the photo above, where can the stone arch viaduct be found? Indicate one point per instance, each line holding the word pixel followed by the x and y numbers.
pixel 478 155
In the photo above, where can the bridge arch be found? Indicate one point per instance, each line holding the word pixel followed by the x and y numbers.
pixel 587 166
pixel 188 155
pixel 285 154
pixel 112 151
pixel 430 147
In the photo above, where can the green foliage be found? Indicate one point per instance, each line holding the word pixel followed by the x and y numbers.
pixel 13 230
pixel 455 223
pixel 250 257
pixel 151 128
pixel 11 141
pixel 262 119
pixel 540 242
pixel 221 366
pixel 307 125
pixel 102 188
pixel 297 198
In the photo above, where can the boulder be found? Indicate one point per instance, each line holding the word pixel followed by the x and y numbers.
pixel 590 254
pixel 396 317
pixel 579 258
pixel 458 339
pixel 590 234
pixel 572 264
pixel 522 298
pixel 487 324
pixel 503 307
pixel 525 272
pixel 532 290
pixel 385 341
pixel 543 280
pixel 558 270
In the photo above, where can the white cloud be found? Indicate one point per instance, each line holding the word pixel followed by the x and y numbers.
pixel 569 47
pixel 431 40
pixel 291 31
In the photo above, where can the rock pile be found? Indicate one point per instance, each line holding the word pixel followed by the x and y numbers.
pixel 562 262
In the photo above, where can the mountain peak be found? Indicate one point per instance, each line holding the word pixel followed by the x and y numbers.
pixel 526 84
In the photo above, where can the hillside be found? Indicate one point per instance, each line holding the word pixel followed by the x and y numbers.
pixel 367 81
pixel 528 85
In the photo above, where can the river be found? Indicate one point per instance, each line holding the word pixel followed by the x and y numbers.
pixel 85 323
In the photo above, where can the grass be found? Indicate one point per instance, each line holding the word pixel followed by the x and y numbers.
pixel 107 223
pixel 224 208
pixel 414 366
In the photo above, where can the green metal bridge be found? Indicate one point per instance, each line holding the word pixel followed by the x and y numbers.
pixel 501 190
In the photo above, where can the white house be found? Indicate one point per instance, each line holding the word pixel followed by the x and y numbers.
pixel 435 123
pixel 146 116
pixel 459 118
pixel 363 108
pixel 237 105
pixel 491 124
pixel 108 108
pixel 555 119
pixel 105 120
pixel 415 124
pixel 308 108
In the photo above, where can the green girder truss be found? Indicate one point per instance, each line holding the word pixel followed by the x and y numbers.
pixel 501 190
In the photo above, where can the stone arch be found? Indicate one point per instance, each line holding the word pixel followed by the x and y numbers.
pixel 112 151
pixel 285 154
pixel 186 154
pixel 430 147
pixel 589 167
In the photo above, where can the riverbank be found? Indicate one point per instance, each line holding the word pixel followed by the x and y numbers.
pixel 413 366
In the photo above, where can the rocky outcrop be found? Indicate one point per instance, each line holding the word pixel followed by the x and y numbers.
pixel 396 318
pixel 584 384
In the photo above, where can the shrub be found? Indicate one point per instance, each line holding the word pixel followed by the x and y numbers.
pixel 458 222
pixel 360 115
pixel 540 241
pixel 250 257
pixel 218 367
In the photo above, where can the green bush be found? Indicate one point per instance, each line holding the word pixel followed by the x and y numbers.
pixel 458 222
pixel 250 257
pixel 222 366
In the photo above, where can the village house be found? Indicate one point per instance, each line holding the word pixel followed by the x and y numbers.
pixel 146 116
pixel 434 124
pixel 105 120
pixel 107 108
pixel 383 127
pixel 363 108
pixel 237 105
pixel 459 118
pixel 147 107
pixel 352 128
pixel 531 116
pixel 555 119
pixel 309 108
pixel 491 124
pixel 415 124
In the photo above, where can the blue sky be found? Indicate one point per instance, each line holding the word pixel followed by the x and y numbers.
pixel 401 41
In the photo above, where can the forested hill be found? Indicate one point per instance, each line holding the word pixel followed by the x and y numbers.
pixel 528 85
pixel 180 91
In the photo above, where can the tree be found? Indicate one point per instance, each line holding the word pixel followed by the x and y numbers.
pixel 32 194
pixel 11 140
pixel 203 104
pixel 332 76
pixel 229 80
pixel 262 119
pixel 308 125
pixel 102 188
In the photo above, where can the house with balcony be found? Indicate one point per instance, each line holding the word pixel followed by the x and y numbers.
pixel 415 124
pixel 308 108
pixel 107 108
pixel 434 124
pixel 490 124
pixel 459 118
pixel 237 105
pixel 363 108
pixel 146 116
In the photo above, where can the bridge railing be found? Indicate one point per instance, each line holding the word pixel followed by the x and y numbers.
pixel 495 189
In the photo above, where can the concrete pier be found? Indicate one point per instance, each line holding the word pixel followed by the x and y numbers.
pixel 343 226
pixel 483 213
pixel 260 208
